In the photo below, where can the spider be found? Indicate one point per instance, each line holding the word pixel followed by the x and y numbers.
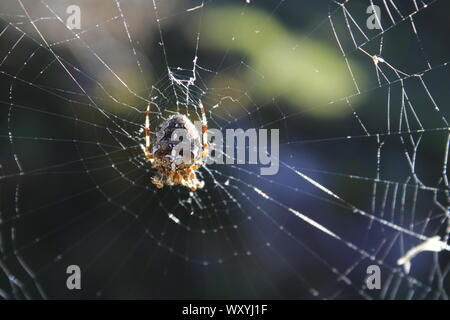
pixel 164 156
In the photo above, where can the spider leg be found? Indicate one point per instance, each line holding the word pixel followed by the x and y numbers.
pixel 193 182
pixel 204 153
pixel 146 149
pixel 157 181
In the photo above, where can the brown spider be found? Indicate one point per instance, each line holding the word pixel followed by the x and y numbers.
pixel 164 156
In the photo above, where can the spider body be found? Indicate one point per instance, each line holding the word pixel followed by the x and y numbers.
pixel 173 167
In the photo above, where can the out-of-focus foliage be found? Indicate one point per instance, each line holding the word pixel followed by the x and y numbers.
pixel 308 73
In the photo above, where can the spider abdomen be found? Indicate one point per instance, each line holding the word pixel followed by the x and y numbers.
pixel 178 151
pixel 168 152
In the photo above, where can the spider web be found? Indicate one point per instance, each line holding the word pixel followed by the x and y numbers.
pixel 363 149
